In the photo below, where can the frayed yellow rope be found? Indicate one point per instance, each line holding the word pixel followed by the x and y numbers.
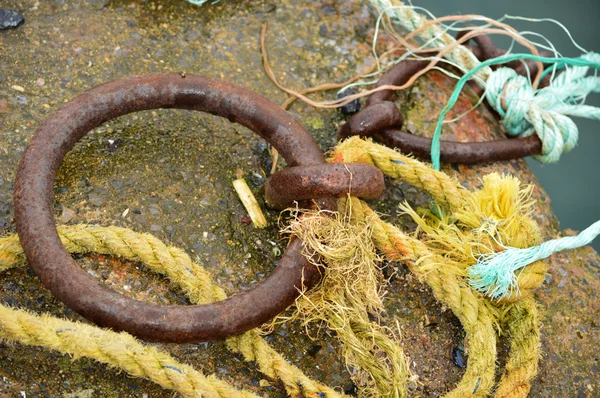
pixel 349 295
pixel 476 222
pixel 472 223
pixel 119 350
pixel 522 365
pixel 122 350
pixel 450 288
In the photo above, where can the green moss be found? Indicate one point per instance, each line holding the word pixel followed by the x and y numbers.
pixel 315 122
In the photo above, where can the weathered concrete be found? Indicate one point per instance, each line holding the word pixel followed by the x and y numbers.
pixel 173 171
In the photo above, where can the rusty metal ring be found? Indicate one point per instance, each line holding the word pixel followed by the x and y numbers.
pixel 76 288
pixel 323 180
pixel 451 151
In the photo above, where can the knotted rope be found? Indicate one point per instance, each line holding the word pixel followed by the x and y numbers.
pixel 426 257
pixel 474 220
pixel 524 109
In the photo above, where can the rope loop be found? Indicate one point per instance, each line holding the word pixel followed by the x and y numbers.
pixel 525 112
pixel 545 112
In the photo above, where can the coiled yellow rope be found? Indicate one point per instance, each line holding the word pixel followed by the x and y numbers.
pixel 522 365
pixel 474 313
pixel 122 350
pixel 507 214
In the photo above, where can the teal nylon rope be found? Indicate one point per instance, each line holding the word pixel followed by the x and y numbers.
pixel 494 274
pixel 543 111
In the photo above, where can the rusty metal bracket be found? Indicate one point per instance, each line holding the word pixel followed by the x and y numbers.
pixel 382 119
pixel 76 288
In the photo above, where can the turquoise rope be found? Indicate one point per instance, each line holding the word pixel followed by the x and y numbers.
pixel 561 102
pixel 494 273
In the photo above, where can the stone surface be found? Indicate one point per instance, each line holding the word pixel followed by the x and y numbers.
pixel 10 19
pixel 173 170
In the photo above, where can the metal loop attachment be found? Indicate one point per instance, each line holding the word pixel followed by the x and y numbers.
pixel 81 292
pixel 382 120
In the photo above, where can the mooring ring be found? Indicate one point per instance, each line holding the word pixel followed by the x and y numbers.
pixel 36 227
pixel 378 104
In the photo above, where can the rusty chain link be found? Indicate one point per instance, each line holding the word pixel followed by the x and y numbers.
pixel 382 119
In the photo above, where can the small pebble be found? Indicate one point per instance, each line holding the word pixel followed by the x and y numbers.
pixel 314 350
pixel 117 184
pixel 329 9
pixel 351 389
pixel 113 145
pixel 96 199
pixel 10 19
pixel 323 31
pixel 351 107
pixel 298 43
pixel 67 215
pixel 411 127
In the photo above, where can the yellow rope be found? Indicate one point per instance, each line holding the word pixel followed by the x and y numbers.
pixel 502 203
pixel 443 189
pixel 349 300
pixel 184 273
pixel 522 364
pixel 118 350
pixel 444 273
pixel 453 291
pixel 520 230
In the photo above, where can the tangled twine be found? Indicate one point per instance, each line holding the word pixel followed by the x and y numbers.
pixel 349 299
pixel 524 109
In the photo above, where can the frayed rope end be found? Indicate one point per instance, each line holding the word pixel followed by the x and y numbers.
pixel 494 274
